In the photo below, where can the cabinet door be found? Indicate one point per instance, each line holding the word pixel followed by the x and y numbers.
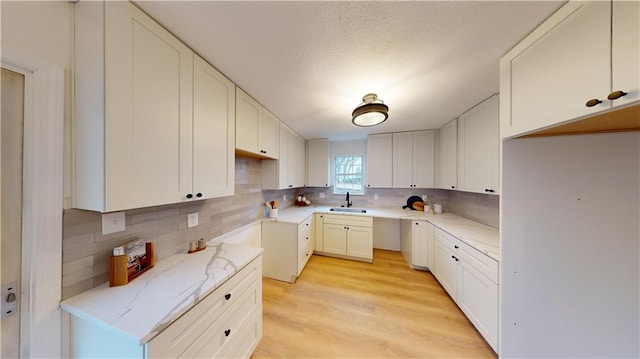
pixel 148 97
pixel 402 160
pixel 548 77
pixel 478 148
pixel 248 122
pixel 478 299
pixel 213 132
pixel 270 134
pixel 379 160
pixel 318 163
pixel 360 242
pixel 335 238
pixel 446 268
pixel 422 238
pixel 625 51
pixel 297 152
pixel 448 156
pixel 424 158
pixel 284 158
pixel 319 228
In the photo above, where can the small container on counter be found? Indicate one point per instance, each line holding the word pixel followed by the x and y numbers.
pixel 437 208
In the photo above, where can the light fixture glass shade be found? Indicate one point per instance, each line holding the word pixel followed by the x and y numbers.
pixel 370 113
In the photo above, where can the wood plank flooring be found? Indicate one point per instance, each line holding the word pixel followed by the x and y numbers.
pixel 346 309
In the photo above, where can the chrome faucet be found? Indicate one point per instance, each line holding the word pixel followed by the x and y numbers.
pixel 348 203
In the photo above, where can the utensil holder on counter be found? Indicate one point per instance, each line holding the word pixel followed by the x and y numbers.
pixel 273 213
pixel 120 274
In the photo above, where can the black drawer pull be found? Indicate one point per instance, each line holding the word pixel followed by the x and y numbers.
pixel 227 296
pixel 227 332
pixel 593 102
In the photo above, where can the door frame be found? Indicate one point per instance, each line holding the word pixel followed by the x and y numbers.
pixel 42 177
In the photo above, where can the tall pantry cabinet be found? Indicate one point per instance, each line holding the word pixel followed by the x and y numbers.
pixel 152 120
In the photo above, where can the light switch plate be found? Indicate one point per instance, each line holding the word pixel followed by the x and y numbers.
pixel 192 220
pixel 113 222
pixel 376 197
pixel 9 308
pixel 284 198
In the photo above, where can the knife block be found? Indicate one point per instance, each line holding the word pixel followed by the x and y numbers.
pixel 119 273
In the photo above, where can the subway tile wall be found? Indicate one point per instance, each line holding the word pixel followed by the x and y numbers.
pixel 86 251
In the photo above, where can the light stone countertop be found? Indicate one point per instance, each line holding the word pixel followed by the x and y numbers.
pixel 482 237
pixel 142 308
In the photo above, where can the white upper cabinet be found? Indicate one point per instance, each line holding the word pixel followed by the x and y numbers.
pixel 379 161
pixel 564 71
pixel 447 156
pixel 289 170
pixel 213 132
pixel 134 113
pixel 478 148
pixel 318 163
pixel 257 129
pixel 414 159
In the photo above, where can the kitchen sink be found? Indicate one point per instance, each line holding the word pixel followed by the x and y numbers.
pixel 349 210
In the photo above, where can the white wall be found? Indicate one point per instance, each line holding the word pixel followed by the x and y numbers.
pixel 570 267
pixel 43 29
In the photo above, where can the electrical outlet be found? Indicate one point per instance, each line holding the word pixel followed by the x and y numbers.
pixel 424 198
pixel 113 222
pixel 192 220
pixel 284 198
pixel 376 197
pixel 321 194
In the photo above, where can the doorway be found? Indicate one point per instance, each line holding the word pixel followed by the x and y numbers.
pixel 11 140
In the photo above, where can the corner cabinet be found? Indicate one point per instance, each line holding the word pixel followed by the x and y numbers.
pixel 257 129
pixel 414 159
pixel 479 148
pixel 289 170
pixel 348 236
pixel 471 279
pixel 140 96
pixel 417 243
pixel 447 156
pixel 318 163
pixel 380 161
pixel 571 67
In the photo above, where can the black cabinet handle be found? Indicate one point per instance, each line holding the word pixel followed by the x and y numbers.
pixel 616 95
pixel 199 195
pixel 456 247
pixel 593 102
pixel 368 185
pixel 290 185
pixel 457 259
pixel 227 296
pixel 227 332
pixel 189 195
pixel 453 187
pixel 417 223
pixel 453 257
pixel 486 190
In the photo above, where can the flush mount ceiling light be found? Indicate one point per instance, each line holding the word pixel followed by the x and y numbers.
pixel 371 112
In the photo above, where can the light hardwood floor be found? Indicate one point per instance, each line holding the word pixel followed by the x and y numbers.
pixel 346 309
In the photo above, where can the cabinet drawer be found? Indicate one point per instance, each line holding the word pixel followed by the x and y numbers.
pixel 182 333
pixel 223 333
pixel 304 254
pixel 247 340
pixel 305 225
pixel 348 220
pixel 480 261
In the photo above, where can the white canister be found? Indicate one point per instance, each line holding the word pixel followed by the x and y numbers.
pixel 273 213
pixel 437 208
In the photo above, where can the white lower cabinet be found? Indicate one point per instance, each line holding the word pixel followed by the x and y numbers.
pixel 347 236
pixel 225 323
pixel 417 243
pixel 287 248
pixel 471 279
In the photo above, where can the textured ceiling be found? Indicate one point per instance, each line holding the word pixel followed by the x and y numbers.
pixel 310 63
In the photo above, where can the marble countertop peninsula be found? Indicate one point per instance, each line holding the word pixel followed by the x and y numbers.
pixel 142 308
pixel 482 237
